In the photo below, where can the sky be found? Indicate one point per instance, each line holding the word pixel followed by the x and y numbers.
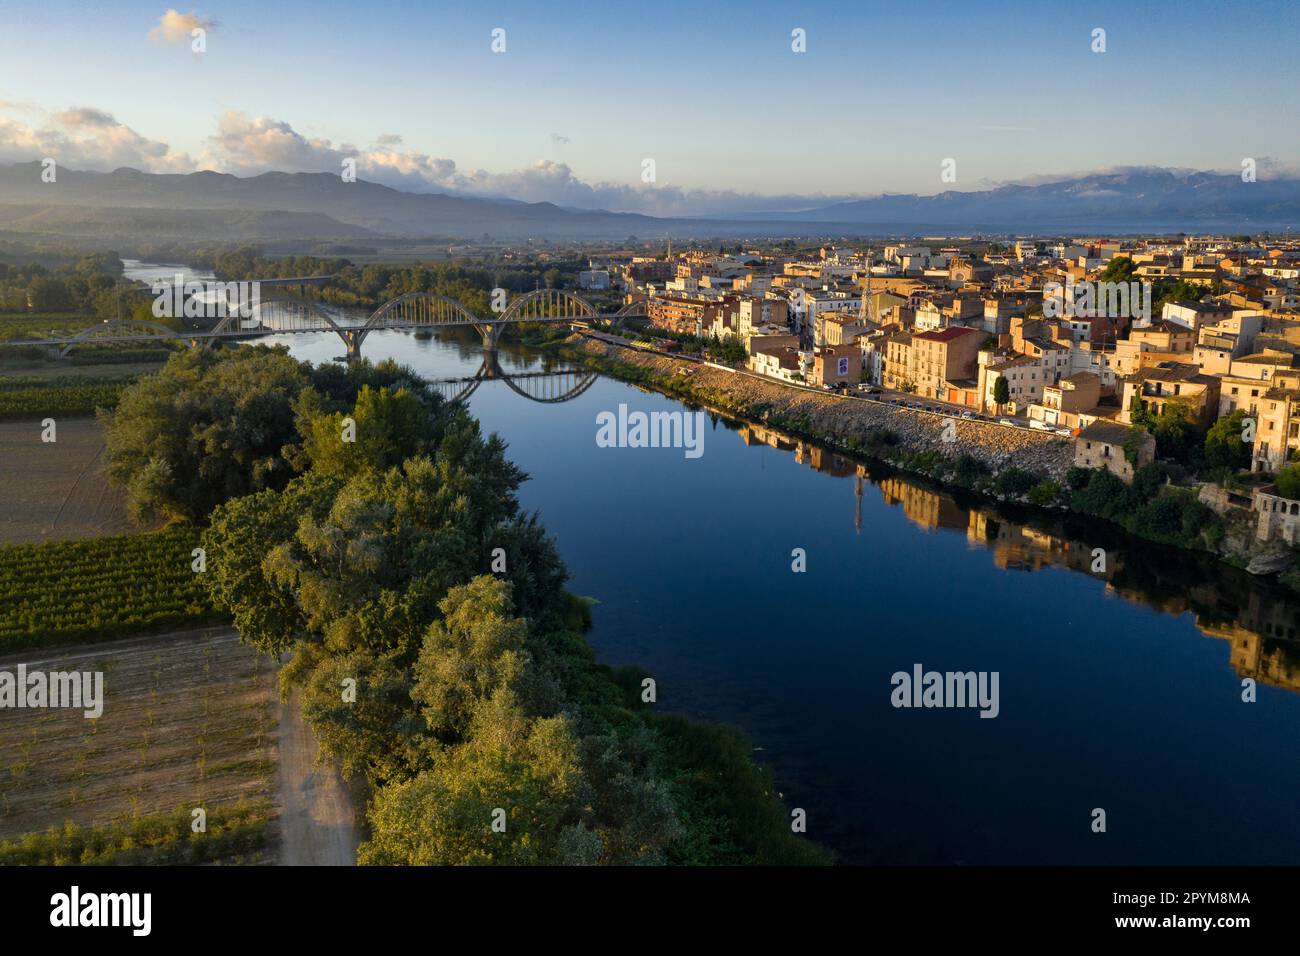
pixel 584 93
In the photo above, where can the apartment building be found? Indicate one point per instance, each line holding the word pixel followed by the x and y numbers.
pixel 1183 383
pixel 940 364
pixel 1277 426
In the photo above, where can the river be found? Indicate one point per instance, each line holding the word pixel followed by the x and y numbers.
pixel 1118 690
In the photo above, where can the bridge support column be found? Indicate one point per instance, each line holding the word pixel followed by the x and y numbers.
pixel 491 332
pixel 353 338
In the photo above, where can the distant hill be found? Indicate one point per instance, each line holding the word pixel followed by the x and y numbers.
pixel 341 209
pixel 1134 200
pixel 320 206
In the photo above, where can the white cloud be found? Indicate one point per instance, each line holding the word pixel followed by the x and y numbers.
pixel 87 138
pixel 90 138
pixel 176 27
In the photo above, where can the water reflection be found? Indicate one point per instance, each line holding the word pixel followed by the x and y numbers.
pixel 1259 620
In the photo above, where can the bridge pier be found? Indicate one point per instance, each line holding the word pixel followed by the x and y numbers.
pixel 491 332
pixel 353 338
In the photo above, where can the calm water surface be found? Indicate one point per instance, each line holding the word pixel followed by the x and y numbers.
pixel 1119 691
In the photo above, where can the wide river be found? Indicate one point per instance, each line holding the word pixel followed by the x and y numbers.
pixel 1119 691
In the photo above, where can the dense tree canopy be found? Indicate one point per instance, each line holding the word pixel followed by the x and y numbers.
pixel 208 427
pixel 368 528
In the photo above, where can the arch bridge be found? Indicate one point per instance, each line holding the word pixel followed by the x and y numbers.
pixel 286 314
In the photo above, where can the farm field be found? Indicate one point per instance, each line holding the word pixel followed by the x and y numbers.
pixel 56 491
pixel 60 592
pixel 57 374
pixel 190 719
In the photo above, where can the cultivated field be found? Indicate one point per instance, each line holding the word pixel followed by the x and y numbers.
pixel 56 491
pixel 190 719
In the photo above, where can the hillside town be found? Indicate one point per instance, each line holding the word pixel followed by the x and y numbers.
pixel 1113 343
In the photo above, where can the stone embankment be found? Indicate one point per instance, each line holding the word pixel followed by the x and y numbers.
pixel 838 418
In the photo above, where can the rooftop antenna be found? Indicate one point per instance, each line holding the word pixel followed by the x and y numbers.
pixel 865 309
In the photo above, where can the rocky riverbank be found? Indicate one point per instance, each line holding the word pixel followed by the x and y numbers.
pixel 840 420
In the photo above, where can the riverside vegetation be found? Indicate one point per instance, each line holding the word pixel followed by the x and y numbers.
pixel 468 702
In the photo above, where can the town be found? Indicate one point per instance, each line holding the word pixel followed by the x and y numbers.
pixel 1052 335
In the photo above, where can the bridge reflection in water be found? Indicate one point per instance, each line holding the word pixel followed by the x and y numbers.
pixel 1258 620
pixel 547 387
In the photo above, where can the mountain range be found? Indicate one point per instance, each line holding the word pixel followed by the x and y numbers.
pixel 212 206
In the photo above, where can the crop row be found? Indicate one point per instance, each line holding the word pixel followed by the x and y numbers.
pixel 64 591
pixel 61 400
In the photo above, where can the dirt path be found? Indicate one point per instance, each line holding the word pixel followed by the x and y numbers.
pixel 317 821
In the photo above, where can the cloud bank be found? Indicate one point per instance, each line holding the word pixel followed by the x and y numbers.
pixel 89 138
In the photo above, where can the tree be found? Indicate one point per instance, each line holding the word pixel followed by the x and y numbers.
pixel 475 650
pixel 1001 392
pixel 1013 481
pixel 1119 269
pixel 384 428
pixel 1287 482
pixel 48 295
pixel 1225 452
pixel 209 426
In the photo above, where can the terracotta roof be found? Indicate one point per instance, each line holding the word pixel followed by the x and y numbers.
pixel 946 335
pixel 1112 433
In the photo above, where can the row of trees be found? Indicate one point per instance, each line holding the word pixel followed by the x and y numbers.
pixel 369 285
pixel 93 285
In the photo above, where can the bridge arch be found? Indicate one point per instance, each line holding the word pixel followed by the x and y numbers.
pixel 417 309
pixel 547 304
pixel 309 313
pixel 636 308
pixel 553 388
pixel 111 328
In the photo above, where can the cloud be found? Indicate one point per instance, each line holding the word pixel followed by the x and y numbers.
pixel 90 138
pixel 87 138
pixel 559 139
pixel 176 27
pixel 86 116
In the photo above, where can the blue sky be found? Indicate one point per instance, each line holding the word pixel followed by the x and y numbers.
pixel 713 93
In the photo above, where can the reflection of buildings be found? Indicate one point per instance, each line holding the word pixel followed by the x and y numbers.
pixel 1263 632
pixel 924 507
pixel 1022 548
pixel 819 459
pixel 1252 655
pixel 758 435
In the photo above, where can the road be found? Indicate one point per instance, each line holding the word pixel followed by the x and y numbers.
pixel 317 816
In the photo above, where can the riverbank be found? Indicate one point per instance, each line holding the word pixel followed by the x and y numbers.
pixel 1005 463
pixel 838 419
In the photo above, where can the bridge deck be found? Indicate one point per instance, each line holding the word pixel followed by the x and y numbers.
pixel 395 325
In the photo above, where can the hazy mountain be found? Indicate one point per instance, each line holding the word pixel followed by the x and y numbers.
pixel 320 206
pixel 1156 199
pixel 342 208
